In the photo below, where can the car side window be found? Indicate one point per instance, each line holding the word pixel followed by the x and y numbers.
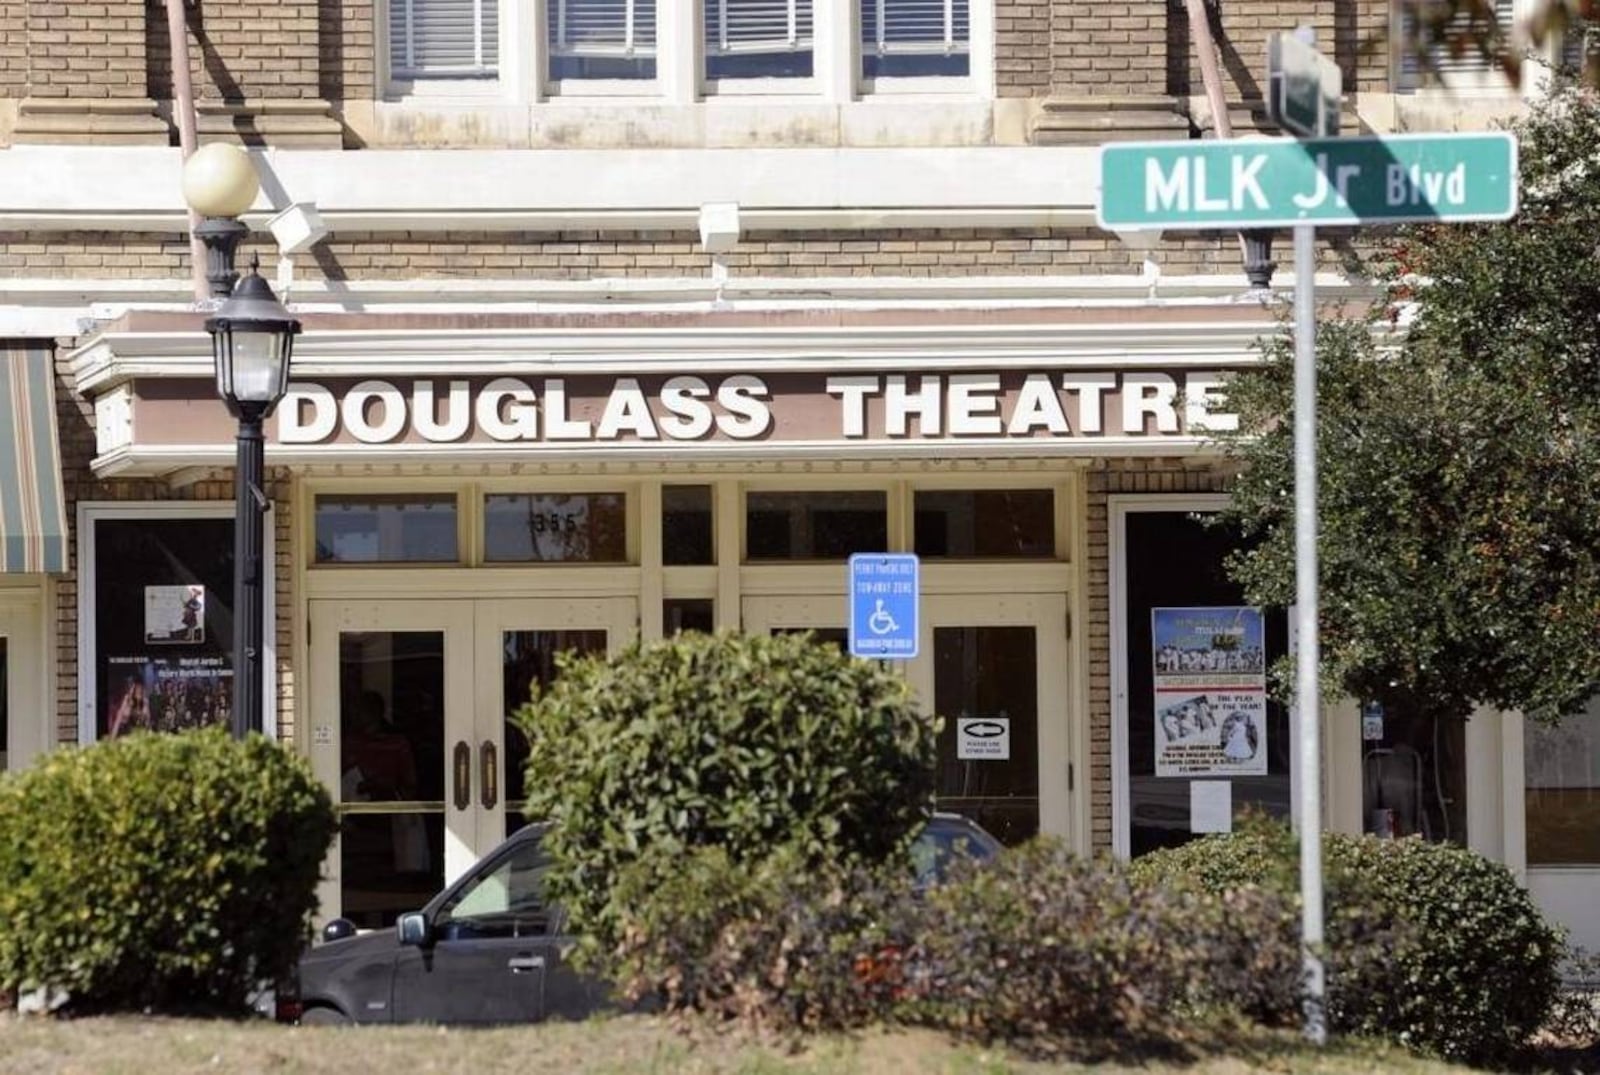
pixel 505 901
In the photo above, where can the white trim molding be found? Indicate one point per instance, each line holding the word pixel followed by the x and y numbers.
pixel 46 187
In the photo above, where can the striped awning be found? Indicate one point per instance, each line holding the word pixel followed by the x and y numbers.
pixel 33 515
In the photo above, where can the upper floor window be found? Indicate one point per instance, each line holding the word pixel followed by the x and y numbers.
pixel 525 49
pixel 1466 68
pixel 758 39
pixel 601 39
pixel 911 38
pixel 443 38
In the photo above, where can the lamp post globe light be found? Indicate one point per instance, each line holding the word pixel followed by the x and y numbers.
pixel 252 336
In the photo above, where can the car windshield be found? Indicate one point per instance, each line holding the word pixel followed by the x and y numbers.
pixel 946 841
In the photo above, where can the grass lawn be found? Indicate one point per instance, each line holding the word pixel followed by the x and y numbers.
pixel 628 1044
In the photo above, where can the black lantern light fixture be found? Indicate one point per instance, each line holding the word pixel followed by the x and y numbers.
pixel 252 337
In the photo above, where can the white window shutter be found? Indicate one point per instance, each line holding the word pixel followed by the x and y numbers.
pixel 443 38
pixel 734 26
pixel 602 27
pixel 915 26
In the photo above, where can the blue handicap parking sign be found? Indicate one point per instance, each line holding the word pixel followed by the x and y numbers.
pixel 883 605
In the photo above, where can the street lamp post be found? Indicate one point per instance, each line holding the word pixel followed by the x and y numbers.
pixel 252 336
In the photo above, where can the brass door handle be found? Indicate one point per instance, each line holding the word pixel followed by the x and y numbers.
pixel 461 770
pixel 488 775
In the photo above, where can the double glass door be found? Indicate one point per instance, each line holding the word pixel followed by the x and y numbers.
pixel 994 667
pixel 412 726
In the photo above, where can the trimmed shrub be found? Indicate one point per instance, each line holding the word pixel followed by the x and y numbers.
pixel 774 943
pixel 1043 946
pixel 161 872
pixel 741 742
pixel 1429 945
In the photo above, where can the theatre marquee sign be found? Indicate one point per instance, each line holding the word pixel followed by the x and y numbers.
pixel 745 407
pixel 331 418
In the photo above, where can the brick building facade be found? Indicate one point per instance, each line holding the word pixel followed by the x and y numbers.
pixel 504 198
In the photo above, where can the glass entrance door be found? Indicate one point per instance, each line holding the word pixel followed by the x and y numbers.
pixel 994 667
pixel 410 732
pixel 518 646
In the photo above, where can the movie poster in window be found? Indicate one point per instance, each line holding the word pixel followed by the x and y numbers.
pixel 1210 691
pixel 175 615
pixel 167 694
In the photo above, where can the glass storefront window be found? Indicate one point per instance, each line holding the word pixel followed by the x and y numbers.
pixel 1174 561
pixel 686 536
pixel 383 528
pixel 688 614
pixel 1561 768
pixel 163 623
pixel 1413 779
pixel 985 523
pixel 815 525
pixel 555 528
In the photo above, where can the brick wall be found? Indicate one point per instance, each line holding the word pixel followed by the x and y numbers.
pixel 1352 32
pixel 86 48
pixel 1109 48
pixel 1119 476
pixel 76 419
pixel 242 51
pixel 347 41
pixel 592 255
pixel 13 48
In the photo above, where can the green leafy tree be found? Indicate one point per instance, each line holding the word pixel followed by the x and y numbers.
pixel 1460 459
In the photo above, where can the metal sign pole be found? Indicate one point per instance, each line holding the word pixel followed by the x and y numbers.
pixel 1307 653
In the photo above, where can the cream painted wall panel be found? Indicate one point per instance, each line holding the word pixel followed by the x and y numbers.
pixel 1570 898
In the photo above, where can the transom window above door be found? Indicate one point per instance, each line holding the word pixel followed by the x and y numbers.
pixel 742 44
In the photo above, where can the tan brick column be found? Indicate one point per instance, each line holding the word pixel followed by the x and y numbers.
pixel 86 74
pixel 257 72
pixel 1108 74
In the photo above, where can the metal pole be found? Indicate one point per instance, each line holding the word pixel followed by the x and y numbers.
pixel 1307 653
pixel 249 473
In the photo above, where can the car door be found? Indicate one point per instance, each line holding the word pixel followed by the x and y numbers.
pixel 489 949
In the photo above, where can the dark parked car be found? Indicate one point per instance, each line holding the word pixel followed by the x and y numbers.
pixel 488 949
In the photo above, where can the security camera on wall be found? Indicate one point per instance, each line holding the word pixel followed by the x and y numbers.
pixel 719 227
pixel 298 228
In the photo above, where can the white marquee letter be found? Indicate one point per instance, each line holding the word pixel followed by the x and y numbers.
pixel 899 405
pixel 627 410
pixel 747 416
pixel 457 412
pixel 974 403
pixel 293 429
pixel 1152 394
pixel 1091 389
pixel 520 421
pixel 1037 406
pixel 688 417
pixel 355 412
pixel 1201 393
pixel 557 426
pixel 853 393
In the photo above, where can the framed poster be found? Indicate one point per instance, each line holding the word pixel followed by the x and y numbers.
pixel 175 615
pixel 1210 679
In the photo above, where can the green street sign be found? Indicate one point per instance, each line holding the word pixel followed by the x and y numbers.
pixel 1253 183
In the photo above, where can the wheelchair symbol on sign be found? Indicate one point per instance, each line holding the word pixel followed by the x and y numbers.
pixel 880 622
